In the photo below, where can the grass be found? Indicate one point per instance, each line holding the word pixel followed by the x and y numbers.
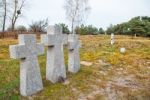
pixel 123 76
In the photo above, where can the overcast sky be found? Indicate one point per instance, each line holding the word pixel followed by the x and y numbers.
pixel 102 14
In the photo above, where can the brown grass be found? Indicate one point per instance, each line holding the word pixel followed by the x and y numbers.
pixel 119 76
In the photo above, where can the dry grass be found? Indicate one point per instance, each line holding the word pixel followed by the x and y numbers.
pixel 112 76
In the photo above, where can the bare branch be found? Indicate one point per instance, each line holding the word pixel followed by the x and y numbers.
pixel 76 11
pixel 18 7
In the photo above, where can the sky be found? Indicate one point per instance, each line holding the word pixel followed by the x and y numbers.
pixel 102 14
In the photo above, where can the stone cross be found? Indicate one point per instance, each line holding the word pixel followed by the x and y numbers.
pixel 27 51
pixel 112 38
pixel 74 56
pixel 55 66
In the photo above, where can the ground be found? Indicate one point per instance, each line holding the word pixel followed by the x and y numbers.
pixel 109 75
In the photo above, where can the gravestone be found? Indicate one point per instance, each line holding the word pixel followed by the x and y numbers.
pixel 27 51
pixel 74 56
pixel 112 38
pixel 55 66
pixel 135 35
pixel 122 50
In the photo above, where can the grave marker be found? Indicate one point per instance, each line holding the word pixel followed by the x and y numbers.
pixel 55 66
pixel 27 51
pixel 112 38
pixel 74 56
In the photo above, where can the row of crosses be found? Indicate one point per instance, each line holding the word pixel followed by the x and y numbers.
pixel 28 50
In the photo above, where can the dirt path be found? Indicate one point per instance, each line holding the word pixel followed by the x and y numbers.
pixel 121 86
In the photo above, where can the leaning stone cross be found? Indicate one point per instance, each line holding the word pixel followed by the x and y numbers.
pixel 54 40
pixel 27 51
pixel 74 56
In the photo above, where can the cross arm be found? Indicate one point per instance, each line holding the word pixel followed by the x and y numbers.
pixel 17 51
pixel 48 40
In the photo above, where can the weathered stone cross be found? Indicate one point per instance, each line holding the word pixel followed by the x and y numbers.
pixel 55 67
pixel 74 58
pixel 27 51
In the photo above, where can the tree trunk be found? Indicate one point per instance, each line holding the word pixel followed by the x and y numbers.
pixel 72 27
pixel 5 14
pixel 12 27
pixel 14 15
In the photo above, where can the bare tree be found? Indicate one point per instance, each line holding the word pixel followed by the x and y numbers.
pixel 4 15
pixel 11 9
pixel 76 11
pixel 39 26
pixel 0 13
pixel 0 10
pixel 16 10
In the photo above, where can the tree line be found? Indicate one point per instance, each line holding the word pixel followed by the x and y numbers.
pixel 139 26
pixel 12 10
